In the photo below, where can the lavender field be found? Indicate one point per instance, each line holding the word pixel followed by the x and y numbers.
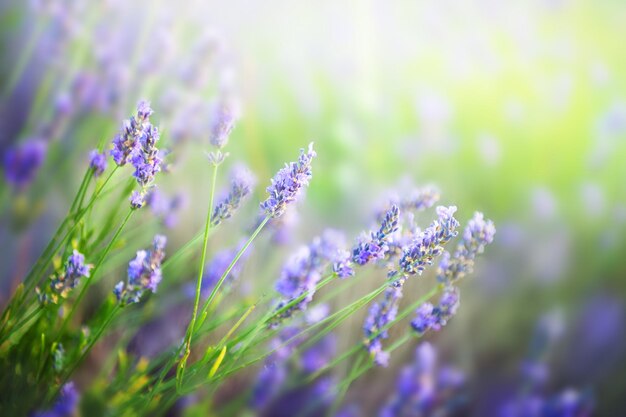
pixel 300 209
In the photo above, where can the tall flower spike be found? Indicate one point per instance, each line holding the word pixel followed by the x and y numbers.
pixel 75 269
pixel 288 184
pixel 304 270
pixel 435 317
pixel 367 250
pixel 65 405
pixel 223 118
pixel 429 243
pixel 241 184
pixel 21 162
pixel 478 234
pixel 97 162
pixel 144 273
pixel 381 314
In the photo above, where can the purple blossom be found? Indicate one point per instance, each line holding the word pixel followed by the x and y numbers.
pixel 22 161
pixel 478 233
pixel 97 162
pixel 435 317
pixel 380 315
pixel 223 118
pixel 368 249
pixel 144 273
pixel 288 184
pixel 137 199
pixel 318 355
pixel 75 269
pixel 302 272
pixel 66 404
pixel 216 268
pixel 423 389
pixel 165 207
pixel 429 244
pixel 241 183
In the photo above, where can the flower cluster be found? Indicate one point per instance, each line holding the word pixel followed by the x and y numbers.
pixel 302 272
pixel 375 247
pixel 144 273
pixel 429 244
pixel 66 405
pixel 380 315
pixel 478 233
pixel 164 207
pixel 63 282
pixel 21 162
pixel 136 143
pixel 241 184
pixel 423 388
pixel 97 162
pixel 435 317
pixel 288 183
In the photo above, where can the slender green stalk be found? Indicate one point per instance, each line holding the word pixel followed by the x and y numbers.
pixel 181 365
pixel 219 283
pixel 344 389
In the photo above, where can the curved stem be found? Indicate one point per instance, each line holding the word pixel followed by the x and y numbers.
pixel 181 365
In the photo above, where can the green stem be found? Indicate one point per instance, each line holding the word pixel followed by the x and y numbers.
pixel 207 226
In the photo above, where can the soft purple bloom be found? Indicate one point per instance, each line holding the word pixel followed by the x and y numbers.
pixel 318 355
pixel 429 244
pixel 376 246
pixel 165 207
pixel 223 118
pixel 478 233
pixel 241 184
pixel 288 184
pixel 137 199
pixel 66 404
pixel 216 268
pixel 75 269
pixel 380 315
pixel 97 162
pixel 435 317
pixel 144 273
pixel 22 161
pixel 302 272
pixel 422 389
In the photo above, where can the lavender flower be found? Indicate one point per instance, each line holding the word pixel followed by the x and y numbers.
pixel 477 235
pixel 435 317
pixel 429 243
pixel 164 207
pixel 288 184
pixel 137 144
pixel 21 162
pixel 223 118
pixel 304 269
pixel 422 389
pixel 62 283
pixel 97 162
pixel 241 183
pixel 218 265
pixel 367 250
pixel 66 405
pixel 144 273
pixel 380 315
pixel 137 199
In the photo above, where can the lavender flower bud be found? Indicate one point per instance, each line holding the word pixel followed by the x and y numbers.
pixel 288 184
pixel 429 243
pixel 75 269
pixel 376 247
pixel 22 161
pixel 381 314
pixel 241 183
pixel 223 118
pixel 137 199
pixel 97 162
pixel 144 273
pixel 435 317
pixel 66 405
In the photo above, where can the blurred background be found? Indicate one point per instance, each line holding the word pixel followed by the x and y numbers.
pixel 516 109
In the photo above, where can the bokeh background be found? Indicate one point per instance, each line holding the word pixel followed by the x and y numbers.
pixel 516 109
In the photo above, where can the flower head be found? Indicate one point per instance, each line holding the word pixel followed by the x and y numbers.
pixel 376 246
pixel 66 404
pixel 429 244
pixel 223 118
pixel 380 315
pixel 288 184
pixel 435 317
pixel 75 269
pixel 22 161
pixel 241 184
pixel 144 273
pixel 97 162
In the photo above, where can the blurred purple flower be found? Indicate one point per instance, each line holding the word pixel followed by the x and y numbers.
pixel 97 162
pixel 241 183
pixel 66 405
pixel 22 161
